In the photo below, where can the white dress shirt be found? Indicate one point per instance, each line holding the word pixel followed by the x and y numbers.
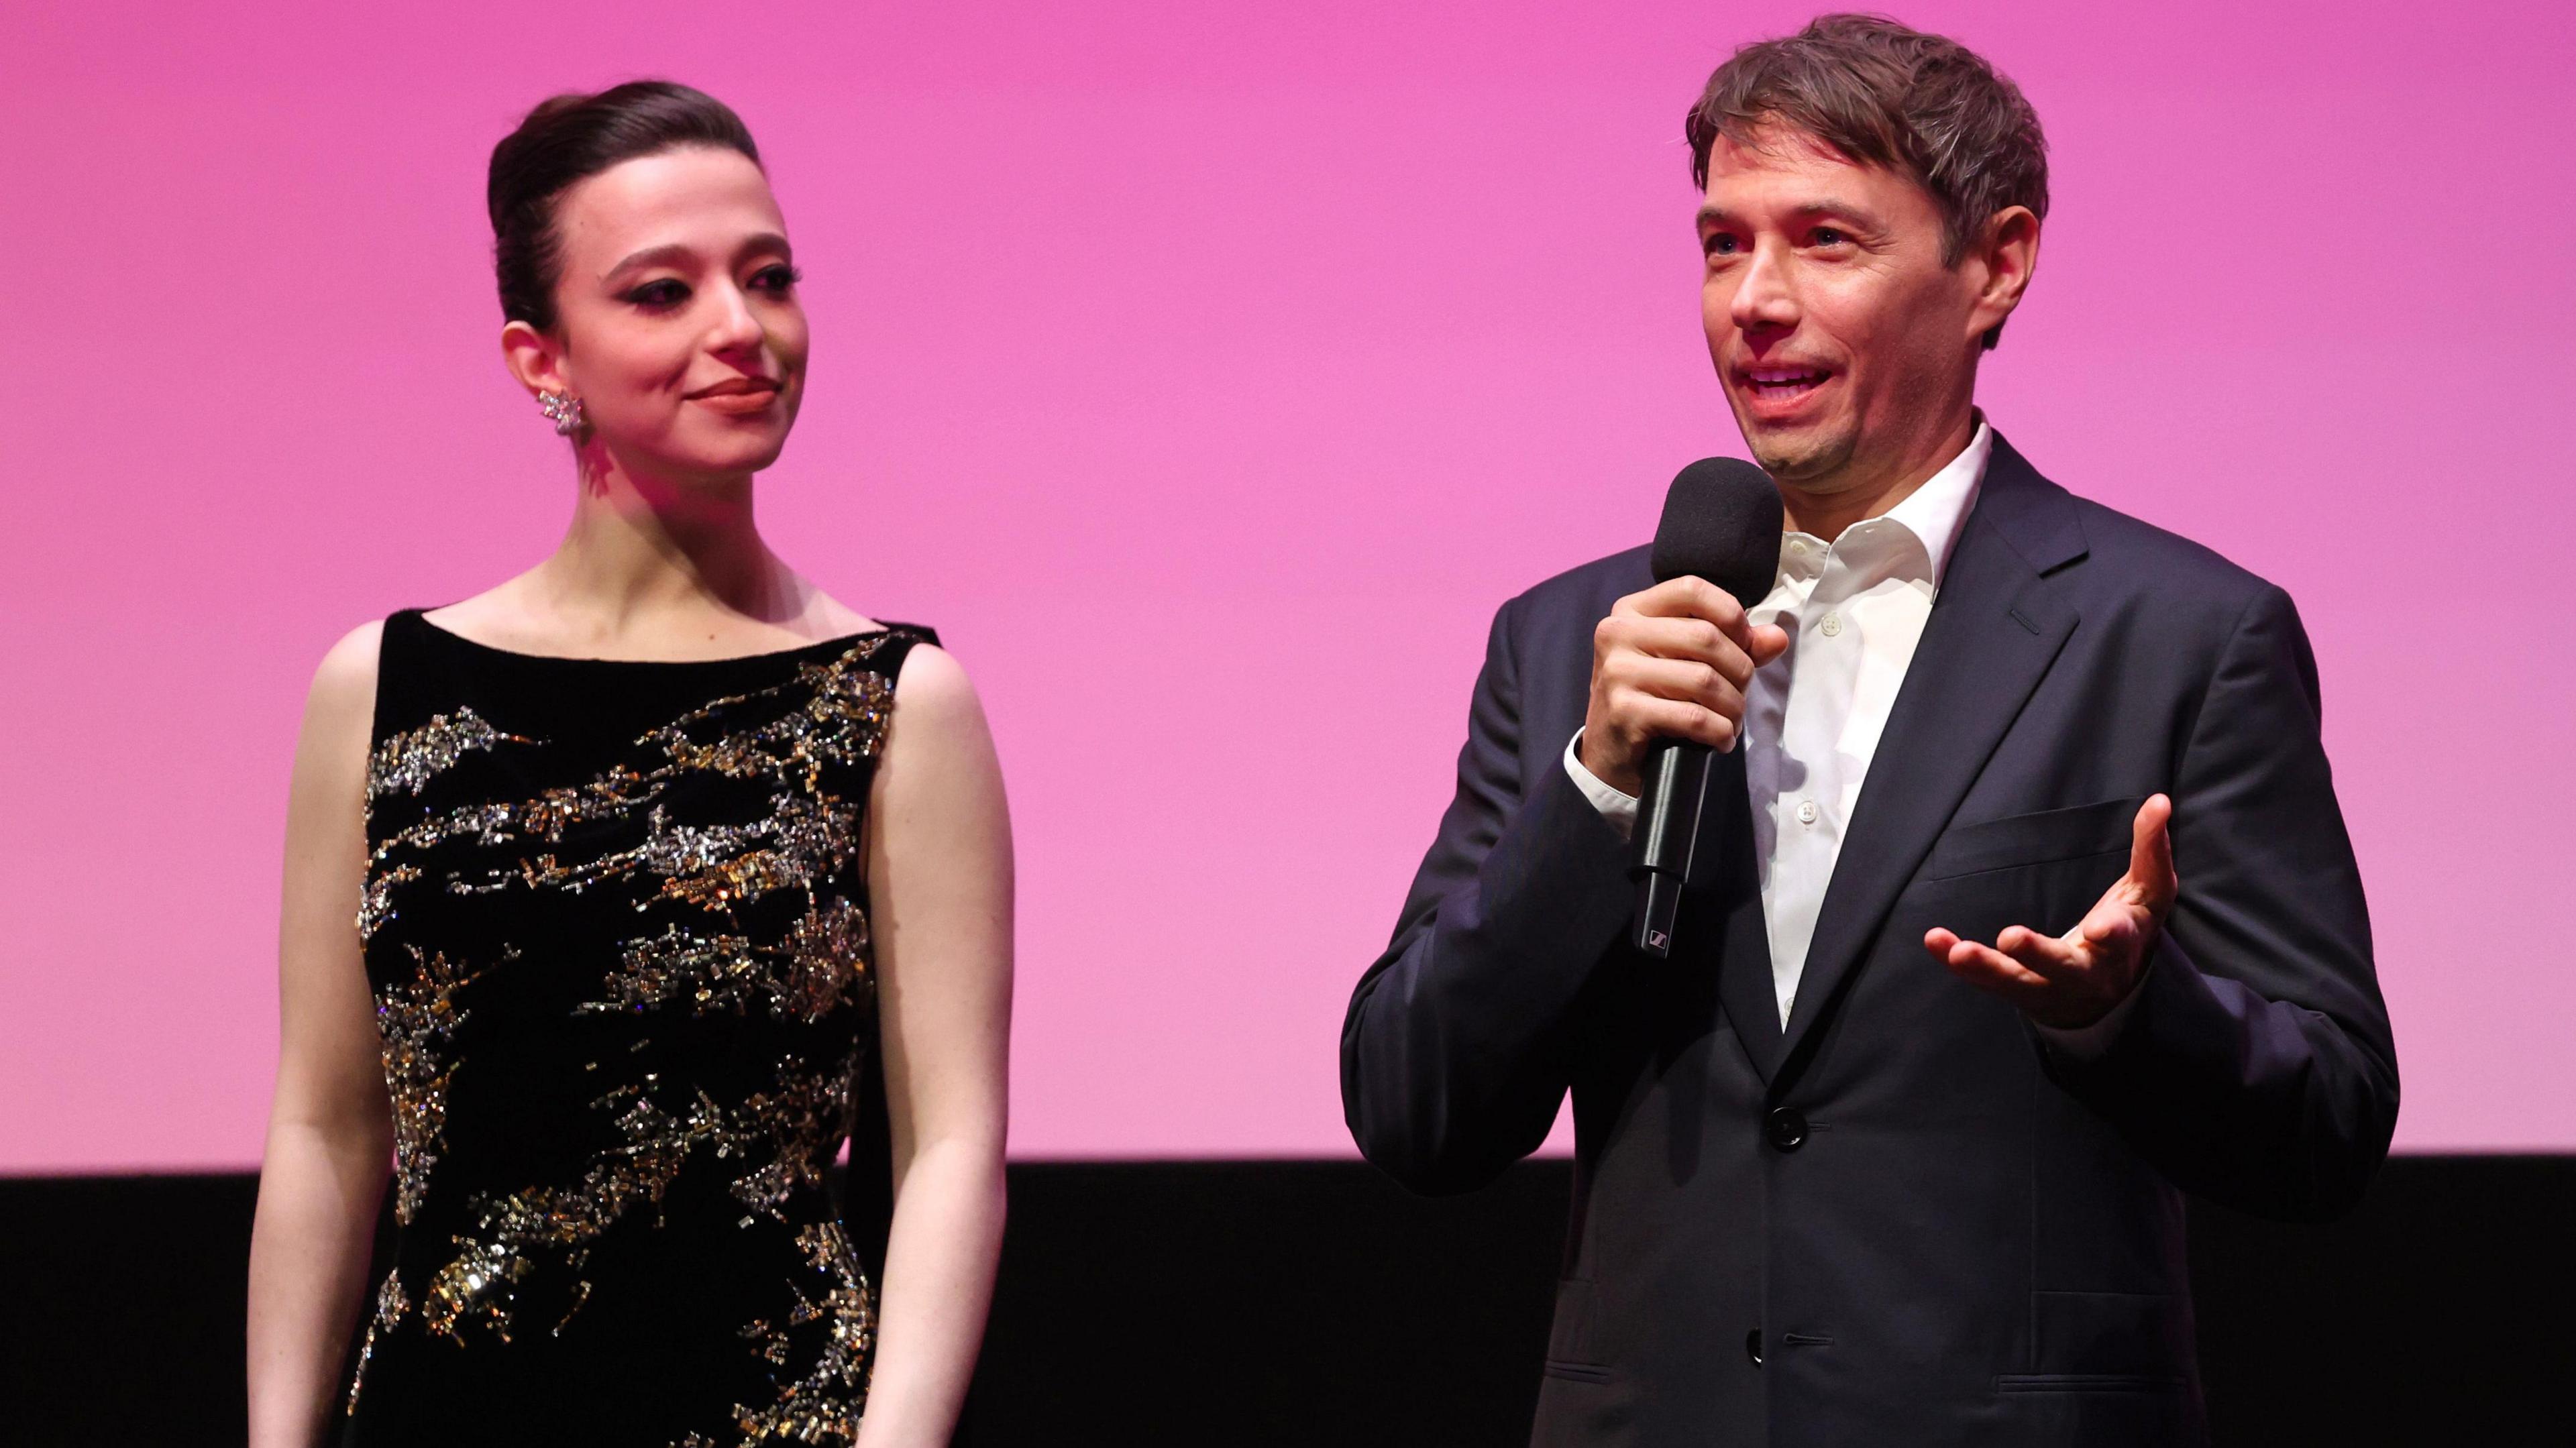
pixel 1854 610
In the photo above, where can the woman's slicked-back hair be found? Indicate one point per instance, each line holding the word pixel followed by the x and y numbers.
pixel 567 139
pixel 1885 94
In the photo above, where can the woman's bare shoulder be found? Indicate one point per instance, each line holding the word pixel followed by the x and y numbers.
pixel 340 713
pixel 932 689
pixel 347 674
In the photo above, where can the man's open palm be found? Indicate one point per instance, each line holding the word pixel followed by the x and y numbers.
pixel 2073 980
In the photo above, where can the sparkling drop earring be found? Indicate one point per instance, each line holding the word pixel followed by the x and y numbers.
pixel 564 409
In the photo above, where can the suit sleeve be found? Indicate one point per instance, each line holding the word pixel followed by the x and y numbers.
pixel 1457 1048
pixel 2257 1069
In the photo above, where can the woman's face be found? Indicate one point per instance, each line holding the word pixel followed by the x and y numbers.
pixel 677 323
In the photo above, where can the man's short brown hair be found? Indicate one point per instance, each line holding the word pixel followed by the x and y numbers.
pixel 1885 94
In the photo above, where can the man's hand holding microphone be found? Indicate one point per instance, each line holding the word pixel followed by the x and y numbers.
pixel 1671 667
pixel 1673 662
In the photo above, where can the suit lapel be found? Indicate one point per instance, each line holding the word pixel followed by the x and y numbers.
pixel 1734 904
pixel 1993 631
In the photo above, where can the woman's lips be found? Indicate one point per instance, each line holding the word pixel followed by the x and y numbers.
pixel 738 404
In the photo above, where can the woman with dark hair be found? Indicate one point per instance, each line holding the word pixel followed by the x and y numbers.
pixel 618 897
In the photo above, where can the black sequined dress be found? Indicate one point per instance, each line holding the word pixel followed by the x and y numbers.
pixel 616 924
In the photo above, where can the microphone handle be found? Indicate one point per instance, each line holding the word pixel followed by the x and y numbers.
pixel 1668 818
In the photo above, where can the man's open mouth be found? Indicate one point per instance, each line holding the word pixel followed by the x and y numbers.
pixel 1783 383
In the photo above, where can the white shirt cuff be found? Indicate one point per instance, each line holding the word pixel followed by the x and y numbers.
pixel 1619 809
pixel 2086 1044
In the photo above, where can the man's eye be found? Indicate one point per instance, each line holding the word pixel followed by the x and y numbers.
pixel 1721 244
pixel 1827 236
pixel 664 293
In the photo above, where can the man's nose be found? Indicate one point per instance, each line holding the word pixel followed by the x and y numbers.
pixel 1764 299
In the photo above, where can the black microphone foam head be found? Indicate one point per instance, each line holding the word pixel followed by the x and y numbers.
pixel 1722 523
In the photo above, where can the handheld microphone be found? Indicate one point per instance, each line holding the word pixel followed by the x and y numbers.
pixel 1721 523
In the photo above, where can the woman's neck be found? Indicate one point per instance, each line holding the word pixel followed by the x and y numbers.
pixel 642 549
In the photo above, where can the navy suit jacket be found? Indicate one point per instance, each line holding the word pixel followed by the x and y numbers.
pixel 1901 1219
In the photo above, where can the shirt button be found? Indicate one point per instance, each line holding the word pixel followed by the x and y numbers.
pixel 1806 811
pixel 1833 625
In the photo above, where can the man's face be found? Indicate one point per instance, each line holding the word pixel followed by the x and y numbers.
pixel 1846 348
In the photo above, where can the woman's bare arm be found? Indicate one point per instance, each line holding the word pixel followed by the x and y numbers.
pixel 939 876
pixel 330 1129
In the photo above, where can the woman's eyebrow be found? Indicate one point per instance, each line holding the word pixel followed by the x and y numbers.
pixel 673 252
pixel 664 254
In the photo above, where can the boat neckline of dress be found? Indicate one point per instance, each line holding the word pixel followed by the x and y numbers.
pixel 843 642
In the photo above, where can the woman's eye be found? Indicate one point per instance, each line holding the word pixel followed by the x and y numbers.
pixel 778 278
pixel 664 293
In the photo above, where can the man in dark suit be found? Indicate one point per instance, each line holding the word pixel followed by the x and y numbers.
pixel 2033 908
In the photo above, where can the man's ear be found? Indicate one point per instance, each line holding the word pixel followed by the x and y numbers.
pixel 2002 259
pixel 534 360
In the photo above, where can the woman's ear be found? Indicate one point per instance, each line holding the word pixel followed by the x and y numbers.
pixel 533 359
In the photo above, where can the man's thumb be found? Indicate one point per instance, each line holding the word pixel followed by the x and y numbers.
pixel 2151 849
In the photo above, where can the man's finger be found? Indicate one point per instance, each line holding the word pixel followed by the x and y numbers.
pixel 1984 967
pixel 2047 956
pixel 1688 638
pixel 1688 680
pixel 2151 867
pixel 1688 597
pixel 1681 719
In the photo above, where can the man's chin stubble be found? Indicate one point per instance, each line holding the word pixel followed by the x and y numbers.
pixel 1806 466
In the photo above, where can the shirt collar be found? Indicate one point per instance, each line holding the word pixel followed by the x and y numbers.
pixel 1935 511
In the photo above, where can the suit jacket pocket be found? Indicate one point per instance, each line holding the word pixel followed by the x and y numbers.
pixel 2101 828
pixel 2106 1341
pixel 2086 1383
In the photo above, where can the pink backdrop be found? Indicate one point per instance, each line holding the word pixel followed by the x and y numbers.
pixel 1207 375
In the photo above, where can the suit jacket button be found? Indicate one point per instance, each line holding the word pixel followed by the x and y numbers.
pixel 1785 1129
pixel 1753 1346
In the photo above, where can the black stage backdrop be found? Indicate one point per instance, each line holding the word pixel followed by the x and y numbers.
pixel 1312 1302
